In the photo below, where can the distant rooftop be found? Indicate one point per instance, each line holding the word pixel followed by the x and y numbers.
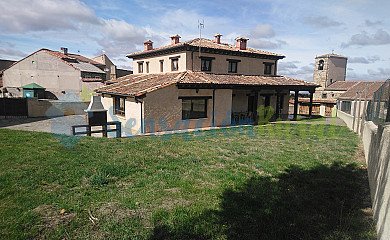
pixel 331 55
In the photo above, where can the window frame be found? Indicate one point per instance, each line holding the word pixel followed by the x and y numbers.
pixel 140 67
pixel 161 65
pixel 173 67
pixel 191 114
pixel 147 67
pixel 268 66
pixel 203 64
pixel 232 62
pixel 118 109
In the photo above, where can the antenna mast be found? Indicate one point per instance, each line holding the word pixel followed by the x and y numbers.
pixel 200 26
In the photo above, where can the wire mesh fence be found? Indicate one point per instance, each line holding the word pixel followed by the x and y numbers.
pixel 378 107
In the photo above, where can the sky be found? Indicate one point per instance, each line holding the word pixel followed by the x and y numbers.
pixel 300 30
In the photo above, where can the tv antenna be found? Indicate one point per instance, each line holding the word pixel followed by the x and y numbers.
pixel 200 26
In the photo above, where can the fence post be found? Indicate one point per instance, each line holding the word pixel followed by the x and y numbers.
pixel 378 107
pixel 388 102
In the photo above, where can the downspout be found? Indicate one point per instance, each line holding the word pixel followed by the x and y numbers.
pixel 213 114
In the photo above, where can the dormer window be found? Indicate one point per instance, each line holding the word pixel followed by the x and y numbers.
pixel 321 65
pixel 232 66
pixel 206 64
pixel 268 68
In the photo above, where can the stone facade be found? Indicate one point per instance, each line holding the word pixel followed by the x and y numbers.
pixel 328 69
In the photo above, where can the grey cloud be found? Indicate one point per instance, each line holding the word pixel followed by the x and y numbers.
pixel 364 60
pixel 304 73
pixel 42 15
pixel 381 37
pixel 262 31
pixel 287 65
pixel 321 21
pixel 381 74
pixel 372 23
pixel 266 44
pixel 11 52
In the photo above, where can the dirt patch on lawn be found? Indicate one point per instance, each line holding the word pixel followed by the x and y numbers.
pixel 51 218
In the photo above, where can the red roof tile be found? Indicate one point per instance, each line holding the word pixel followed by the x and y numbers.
pixel 361 87
pixel 138 84
pixel 341 85
pixel 207 43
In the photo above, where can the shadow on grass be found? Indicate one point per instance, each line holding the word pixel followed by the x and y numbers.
pixel 327 202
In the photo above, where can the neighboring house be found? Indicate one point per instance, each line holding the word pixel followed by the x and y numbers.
pixel 58 72
pixel 199 83
pixel 358 92
pixel 4 64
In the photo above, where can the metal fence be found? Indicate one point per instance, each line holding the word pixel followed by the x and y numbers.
pixel 378 108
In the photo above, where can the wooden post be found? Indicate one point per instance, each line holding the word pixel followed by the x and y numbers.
pixel 364 110
pixel 104 130
pixel 358 117
pixel 277 113
pixel 296 105
pixel 311 104
pixel 255 102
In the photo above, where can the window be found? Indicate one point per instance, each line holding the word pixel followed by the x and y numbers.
pixel 119 106
pixel 194 107
pixel 268 68
pixel 206 65
pixel 140 67
pixel 346 106
pixel 232 67
pixel 161 65
pixel 175 64
pixel 147 67
pixel 321 65
pixel 324 95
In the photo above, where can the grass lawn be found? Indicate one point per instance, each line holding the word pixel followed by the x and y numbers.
pixel 293 183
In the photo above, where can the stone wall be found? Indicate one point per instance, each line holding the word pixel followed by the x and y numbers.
pixel 376 143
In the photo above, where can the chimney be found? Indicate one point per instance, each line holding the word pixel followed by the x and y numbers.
pixel 64 50
pixel 175 39
pixel 148 45
pixel 217 38
pixel 241 43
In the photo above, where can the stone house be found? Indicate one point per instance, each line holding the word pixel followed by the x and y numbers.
pixel 199 83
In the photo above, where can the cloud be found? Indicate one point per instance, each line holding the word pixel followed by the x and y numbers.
pixel 11 52
pixel 321 22
pixel 287 65
pixel 381 37
pixel 262 31
pixel 364 60
pixel 380 74
pixel 369 23
pixel 42 15
pixel 266 44
pixel 288 69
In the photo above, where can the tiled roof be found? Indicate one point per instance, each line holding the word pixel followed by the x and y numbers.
pixel 138 84
pixel 207 43
pixel 371 87
pixel 64 58
pixel 331 55
pixel 83 59
pixel 341 85
pixel 1 81
pixel 86 67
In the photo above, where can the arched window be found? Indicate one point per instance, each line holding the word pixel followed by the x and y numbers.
pixel 321 65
